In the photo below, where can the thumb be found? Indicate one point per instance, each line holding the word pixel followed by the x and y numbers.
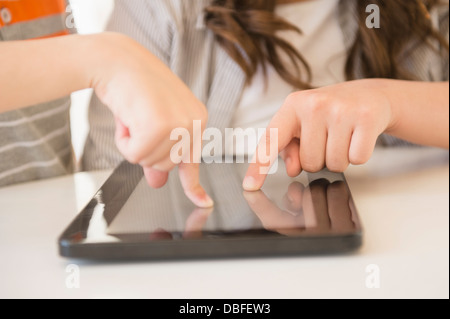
pixel 155 178
pixel 189 177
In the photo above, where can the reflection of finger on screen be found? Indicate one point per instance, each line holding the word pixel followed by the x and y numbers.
pixel 295 195
pixel 291 207
pixel 264 208
pixel 353 210
pixel 160 234
pixel 196 221
pixel 338 207
pixel 272 217
pixel 315 206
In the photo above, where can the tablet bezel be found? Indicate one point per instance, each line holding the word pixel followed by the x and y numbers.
pixel 251 243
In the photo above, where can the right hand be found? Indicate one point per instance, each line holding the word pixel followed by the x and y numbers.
pixel 332 127
pixel 148 101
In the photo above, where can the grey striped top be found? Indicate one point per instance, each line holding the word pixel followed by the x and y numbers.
pixel 35 142
pixel 174 30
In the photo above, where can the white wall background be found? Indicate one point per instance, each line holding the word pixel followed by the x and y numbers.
pixel 90 16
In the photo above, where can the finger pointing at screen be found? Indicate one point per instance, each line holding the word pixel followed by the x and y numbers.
pixel 285 125
pixel 333 126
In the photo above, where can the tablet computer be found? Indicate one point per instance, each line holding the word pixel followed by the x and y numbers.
pixel 128 220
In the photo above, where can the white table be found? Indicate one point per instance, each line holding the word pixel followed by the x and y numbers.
pixel 403 201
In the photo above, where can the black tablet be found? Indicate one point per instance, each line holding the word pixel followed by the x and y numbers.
pixel 127 220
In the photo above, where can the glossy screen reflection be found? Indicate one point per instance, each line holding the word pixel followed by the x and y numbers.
pixel 309 205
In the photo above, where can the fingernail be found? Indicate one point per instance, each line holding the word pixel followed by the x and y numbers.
pixel 207 202
pixel 250 184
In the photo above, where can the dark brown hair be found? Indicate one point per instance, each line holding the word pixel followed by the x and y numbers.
pixel 248 31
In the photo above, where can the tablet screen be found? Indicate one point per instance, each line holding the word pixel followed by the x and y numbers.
pixel 127 209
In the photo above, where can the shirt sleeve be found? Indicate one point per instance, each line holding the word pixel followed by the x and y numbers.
pixel 147 22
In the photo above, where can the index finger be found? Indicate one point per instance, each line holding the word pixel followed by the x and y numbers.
pixel 281 130
pixel 190 180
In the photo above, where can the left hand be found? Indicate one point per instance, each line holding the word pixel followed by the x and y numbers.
pixel 332 126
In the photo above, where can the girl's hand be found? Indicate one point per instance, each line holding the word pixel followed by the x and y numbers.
pixel 333 126
pixel 148 102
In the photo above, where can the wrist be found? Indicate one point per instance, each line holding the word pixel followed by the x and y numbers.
pixel 110 55
pixel 80 52
pixel 97 50
pixel 387 91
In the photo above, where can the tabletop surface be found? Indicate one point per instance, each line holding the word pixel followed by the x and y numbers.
pixel 402 196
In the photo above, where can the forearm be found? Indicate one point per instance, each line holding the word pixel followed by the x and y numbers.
pixel 36 71
pixel 420 111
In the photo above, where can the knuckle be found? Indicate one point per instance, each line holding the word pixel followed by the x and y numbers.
pixel 308 103
pixel 315 103
pixel 337 113
pixel 315 96
pixel 293 99
pixel 312 110
pixel 365 115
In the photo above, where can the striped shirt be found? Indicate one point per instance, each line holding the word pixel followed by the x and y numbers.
pixel 35 142
pixel 175 31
